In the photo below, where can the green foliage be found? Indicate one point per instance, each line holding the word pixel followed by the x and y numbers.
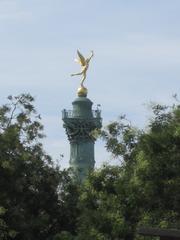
pixel 63 236
pixel 144 189
pixel 40 201
pixel 121 139
pixel 110 205
pixel 34 193
pixel 160 175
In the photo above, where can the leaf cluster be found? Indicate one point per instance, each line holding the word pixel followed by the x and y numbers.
pixel 145 188
pixel 35 195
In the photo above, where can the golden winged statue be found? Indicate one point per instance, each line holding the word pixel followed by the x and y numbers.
pixel 84 62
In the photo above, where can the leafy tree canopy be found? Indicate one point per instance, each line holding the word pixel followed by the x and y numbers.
pixel 35 196
pixel 38 200
pixel 145 188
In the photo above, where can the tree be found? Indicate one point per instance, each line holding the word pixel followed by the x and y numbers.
pixel 34 193
pixel 40 201
pixel 157 168
pixel 109 209
pixel 145 188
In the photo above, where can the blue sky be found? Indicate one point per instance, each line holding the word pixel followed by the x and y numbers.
pixel 137 58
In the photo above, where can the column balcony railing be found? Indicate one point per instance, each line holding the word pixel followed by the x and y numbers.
pixel 70 114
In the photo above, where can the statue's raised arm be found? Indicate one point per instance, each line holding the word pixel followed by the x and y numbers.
pixel 84 66
pixel 92 54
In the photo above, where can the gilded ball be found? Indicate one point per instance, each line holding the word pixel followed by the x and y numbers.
pixel 82 92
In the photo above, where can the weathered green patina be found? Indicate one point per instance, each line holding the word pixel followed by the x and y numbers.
pixel 79 124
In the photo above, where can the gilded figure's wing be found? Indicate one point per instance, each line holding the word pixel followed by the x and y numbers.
pixel 81 60
pixel 77 60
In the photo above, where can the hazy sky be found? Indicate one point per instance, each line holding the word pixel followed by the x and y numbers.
pixel 137 58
